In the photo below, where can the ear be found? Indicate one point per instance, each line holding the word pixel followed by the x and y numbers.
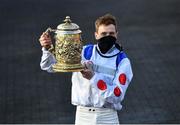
pixel 117 34
pixel 96 35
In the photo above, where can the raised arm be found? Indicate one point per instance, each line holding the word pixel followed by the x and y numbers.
pixel 47 59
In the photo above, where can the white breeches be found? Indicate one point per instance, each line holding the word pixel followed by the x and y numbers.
pixel 94 116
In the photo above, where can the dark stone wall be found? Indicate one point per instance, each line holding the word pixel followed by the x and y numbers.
pixel 149 31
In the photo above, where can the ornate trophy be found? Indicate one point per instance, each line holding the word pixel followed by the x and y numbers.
pixel 68 47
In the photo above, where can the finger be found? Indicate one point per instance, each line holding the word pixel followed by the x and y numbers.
pixel 86 70
pixel 82 72
pixel 84 75
pixel 44 39
pixel 85 66
pixel 45 44
pixel 47 41
pixel 45 35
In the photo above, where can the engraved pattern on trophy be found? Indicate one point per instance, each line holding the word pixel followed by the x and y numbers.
pixel 68 47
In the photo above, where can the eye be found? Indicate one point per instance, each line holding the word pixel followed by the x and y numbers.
pixel 112 33
pixel 103 33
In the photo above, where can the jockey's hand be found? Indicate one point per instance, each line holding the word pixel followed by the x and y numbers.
pixel 87 72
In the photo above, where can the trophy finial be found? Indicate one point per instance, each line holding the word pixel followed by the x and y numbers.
pixel 67 19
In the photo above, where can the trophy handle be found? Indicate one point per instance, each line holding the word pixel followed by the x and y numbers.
pixel 51 32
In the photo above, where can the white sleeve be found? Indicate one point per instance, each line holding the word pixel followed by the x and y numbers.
pixel 47 60
pixel 113 91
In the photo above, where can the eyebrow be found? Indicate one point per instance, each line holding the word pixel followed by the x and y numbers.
pixel 107 32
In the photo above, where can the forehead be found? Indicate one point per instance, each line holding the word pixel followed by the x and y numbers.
pixel 107 28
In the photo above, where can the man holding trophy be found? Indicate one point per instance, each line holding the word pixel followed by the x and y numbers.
pixel 100 84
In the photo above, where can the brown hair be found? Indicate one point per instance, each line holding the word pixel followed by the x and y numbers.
pixel 107 19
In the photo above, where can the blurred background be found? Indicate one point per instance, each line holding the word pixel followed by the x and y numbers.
pixel 148 30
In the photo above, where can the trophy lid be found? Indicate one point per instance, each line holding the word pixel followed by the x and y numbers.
pixel 68 27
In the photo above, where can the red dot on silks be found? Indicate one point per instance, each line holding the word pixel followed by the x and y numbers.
pixel 117 92
pixel 101 85
pixel 122 78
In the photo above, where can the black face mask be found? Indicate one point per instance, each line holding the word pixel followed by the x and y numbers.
pixel 106 43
